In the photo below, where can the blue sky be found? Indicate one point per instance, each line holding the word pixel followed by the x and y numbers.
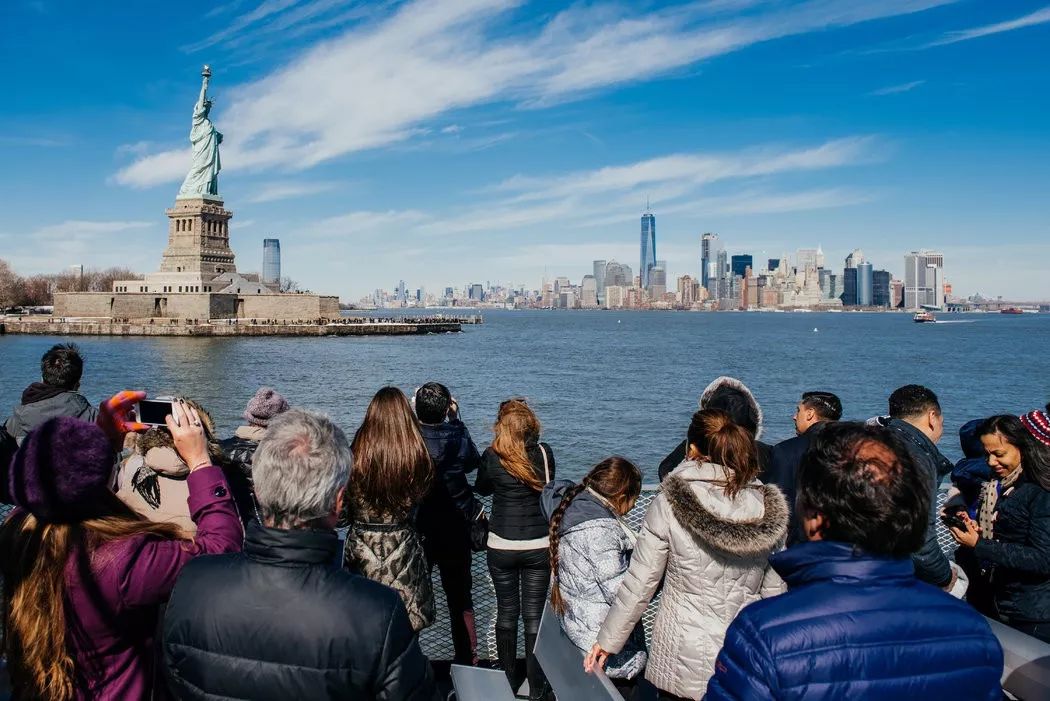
pixel 457 141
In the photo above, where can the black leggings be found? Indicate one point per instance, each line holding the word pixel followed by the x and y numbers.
pixel 452 557
pixel 521 578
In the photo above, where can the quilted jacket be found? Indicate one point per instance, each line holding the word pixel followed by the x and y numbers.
pixel 390 551
pixel 856 626
pixel 712 553
pixel 594 549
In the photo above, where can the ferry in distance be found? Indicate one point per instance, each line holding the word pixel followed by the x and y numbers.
pixel 924 317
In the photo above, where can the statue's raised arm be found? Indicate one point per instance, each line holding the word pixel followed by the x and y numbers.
pixel 203 178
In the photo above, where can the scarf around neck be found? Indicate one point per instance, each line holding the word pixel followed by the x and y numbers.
pixel 991 492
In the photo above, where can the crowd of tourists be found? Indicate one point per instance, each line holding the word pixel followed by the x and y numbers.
pixel 163 561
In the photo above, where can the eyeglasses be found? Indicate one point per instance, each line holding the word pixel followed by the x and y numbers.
pixel 519 400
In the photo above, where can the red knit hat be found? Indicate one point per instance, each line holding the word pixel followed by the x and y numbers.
pixel 1038 424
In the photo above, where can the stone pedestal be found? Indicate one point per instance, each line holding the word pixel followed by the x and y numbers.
pixel 198 239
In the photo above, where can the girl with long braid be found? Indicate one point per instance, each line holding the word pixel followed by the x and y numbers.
pixel 590 549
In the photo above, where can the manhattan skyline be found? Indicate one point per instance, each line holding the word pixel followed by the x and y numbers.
pixel 495 140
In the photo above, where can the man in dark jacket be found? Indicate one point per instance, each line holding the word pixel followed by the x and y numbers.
pixel 814 409
pixel 449 508
pixel 915 416
pixel 733 397
pixel 855 622
pixel 282 620
pixel 57 394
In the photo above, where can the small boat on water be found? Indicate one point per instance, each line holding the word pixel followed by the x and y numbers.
pixel 924 318
pixel 1011 310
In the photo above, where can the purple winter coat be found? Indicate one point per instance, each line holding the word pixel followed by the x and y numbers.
pixel 114 599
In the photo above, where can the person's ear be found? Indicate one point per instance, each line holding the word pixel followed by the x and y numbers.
pixel 339 501
pixel 692 452
pixel 813 524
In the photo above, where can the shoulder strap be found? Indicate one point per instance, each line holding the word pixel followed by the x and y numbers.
pixel 546 465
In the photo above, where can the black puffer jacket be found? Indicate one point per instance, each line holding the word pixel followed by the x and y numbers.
pixel 450 504
pixel 516 513
pixel 282 621
pixel 931 564
pixel 1020 553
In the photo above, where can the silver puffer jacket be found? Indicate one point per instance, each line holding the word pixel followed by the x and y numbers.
pixel 594 551
pixel 712 553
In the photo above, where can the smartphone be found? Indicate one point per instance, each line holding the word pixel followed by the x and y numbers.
pixel 152 412
pixel 955 520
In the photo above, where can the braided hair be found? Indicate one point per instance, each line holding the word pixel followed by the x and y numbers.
pixel 616 479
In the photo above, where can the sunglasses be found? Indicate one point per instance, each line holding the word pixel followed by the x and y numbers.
pixel 519 400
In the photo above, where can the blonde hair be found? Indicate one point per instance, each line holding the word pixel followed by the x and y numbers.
pixel 516 427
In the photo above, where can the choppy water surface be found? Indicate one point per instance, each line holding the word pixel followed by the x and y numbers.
pixel 601 382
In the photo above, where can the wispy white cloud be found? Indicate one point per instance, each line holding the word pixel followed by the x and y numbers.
pixel 238 24
pixel 896 89
pixel 381 82
pixel 78 241
pixel 1030 20
pixel 270 192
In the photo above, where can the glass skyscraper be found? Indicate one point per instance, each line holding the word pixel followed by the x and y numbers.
pixel 271 267
pixel 864 284
pixel 740 264
pixel 648 254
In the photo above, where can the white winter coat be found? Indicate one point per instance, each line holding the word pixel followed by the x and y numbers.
pixel 712 553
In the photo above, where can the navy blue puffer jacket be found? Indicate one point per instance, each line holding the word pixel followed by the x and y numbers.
pixel 856 626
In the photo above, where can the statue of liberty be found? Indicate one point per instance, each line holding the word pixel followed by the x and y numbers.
pixel 203 178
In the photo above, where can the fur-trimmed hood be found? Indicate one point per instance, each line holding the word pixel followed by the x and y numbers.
pixel 732 385
pixel 754 522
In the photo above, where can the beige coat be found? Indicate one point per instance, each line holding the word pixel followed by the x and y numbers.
pixel 171 480
pixel 712 553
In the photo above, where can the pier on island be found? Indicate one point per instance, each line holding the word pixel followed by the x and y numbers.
pixel 345 326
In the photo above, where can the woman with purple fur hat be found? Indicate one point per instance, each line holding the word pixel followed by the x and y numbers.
pixel 84 575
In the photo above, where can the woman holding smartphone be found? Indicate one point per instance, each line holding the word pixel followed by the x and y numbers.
pixel 84 575
pixel 1011 537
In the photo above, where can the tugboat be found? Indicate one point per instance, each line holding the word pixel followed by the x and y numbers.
pixel 1011 310
pixel 924 318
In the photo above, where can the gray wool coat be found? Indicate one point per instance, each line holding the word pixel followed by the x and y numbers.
pixel 711 552
pixel 594 552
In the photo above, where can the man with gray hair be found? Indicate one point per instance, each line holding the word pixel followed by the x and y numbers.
pixel 282 620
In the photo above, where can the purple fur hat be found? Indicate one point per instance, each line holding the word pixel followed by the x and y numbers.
pixel 61 470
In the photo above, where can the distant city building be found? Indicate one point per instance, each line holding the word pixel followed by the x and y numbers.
pixel 740 263
pixel 710 246
pixel 618 274
pixel 719 281
pixel 477 292
pixel 773 264
pixel 77 271
pixel 849 287
pixel 402 292
pixel 854 259
pixel 864 284
pixel 599 277
pixel 809 258
pixel 830 284
pixel 614 296
pixel 896 293
pixel 688 291
pixel 271 266
pixel 924 280
pixel 657 281
pixel 881 296
pixel 589 293
pixel 647 259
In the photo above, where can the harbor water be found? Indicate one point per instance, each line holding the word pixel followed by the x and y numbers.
pixel 602 382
